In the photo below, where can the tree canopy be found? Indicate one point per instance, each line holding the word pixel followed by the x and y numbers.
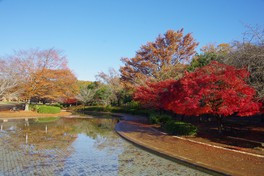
pixel 216 89
pixel 42 74
pixel 159 60
pixel 8 78
pixel 249 54
pixel 209 53
pixel 213 89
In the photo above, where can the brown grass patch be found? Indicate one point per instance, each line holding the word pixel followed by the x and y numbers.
pixel 22 114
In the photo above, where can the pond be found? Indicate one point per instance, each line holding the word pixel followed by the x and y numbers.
pixel 68 146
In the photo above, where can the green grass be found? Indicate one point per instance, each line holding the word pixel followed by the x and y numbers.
pixel 43 109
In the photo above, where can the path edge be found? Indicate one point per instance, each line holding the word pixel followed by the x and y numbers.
pixel 180 160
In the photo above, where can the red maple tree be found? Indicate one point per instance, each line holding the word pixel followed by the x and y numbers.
pixel 216 89
pixel 151 95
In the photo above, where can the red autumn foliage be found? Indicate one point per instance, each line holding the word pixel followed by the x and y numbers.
pixel 213 89
pixel 150 96
pixel 70 101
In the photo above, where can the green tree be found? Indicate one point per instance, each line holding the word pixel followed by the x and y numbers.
pixel 102 95
pixel 86 94
pixel 117 89
pixel 209 53
pixel 201 60
pixel 95 93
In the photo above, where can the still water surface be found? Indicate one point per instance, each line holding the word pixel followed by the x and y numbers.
pixel 76 147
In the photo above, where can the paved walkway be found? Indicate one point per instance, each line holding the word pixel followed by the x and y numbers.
pixel 218 159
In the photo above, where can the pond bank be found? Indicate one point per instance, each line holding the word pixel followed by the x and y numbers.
pixel 223 161
pixel 29 114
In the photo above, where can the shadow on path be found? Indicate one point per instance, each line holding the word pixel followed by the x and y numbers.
pixel 205 156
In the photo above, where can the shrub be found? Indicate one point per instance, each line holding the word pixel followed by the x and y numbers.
pixel 48 109
pixel 34 107
pixel 153 119
pixel 164 118
pixel 132 104
pixel 159 119
pixel 179 128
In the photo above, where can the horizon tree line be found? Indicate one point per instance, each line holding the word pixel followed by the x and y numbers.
pixel 41 73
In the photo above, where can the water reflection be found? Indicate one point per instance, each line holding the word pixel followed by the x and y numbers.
pixel 76 147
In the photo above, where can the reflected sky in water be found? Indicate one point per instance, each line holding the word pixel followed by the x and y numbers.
pixel 76 147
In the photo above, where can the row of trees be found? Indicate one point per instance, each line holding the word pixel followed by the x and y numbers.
pixel 248 54
pixel 43 75
pixel 40 74
pixel 222 80
pixel 225 79
pixel 107 90
pixel 156 61
pixel 171 58
pixel 173 53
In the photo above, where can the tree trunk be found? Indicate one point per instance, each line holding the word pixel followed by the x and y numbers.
pixel 182 117
pixel 220 124
pixel 27 105
pixel 118 102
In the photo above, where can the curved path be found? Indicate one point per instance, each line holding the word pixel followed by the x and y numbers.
pixel 223 161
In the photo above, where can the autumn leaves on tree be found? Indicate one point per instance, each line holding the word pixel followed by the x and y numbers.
pixel 214 89
pixel 159 60
pixel 165 74
pixel 41 74
pixel 160 78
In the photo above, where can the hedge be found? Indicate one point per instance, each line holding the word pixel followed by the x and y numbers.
pixel 179 128
pixel 156 118
pixel 48 109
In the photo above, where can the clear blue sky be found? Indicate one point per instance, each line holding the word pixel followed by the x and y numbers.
pixel 95 34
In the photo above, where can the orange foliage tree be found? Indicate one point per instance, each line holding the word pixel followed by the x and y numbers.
pixel 159 60
pixel 43 74
pixel 221 49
